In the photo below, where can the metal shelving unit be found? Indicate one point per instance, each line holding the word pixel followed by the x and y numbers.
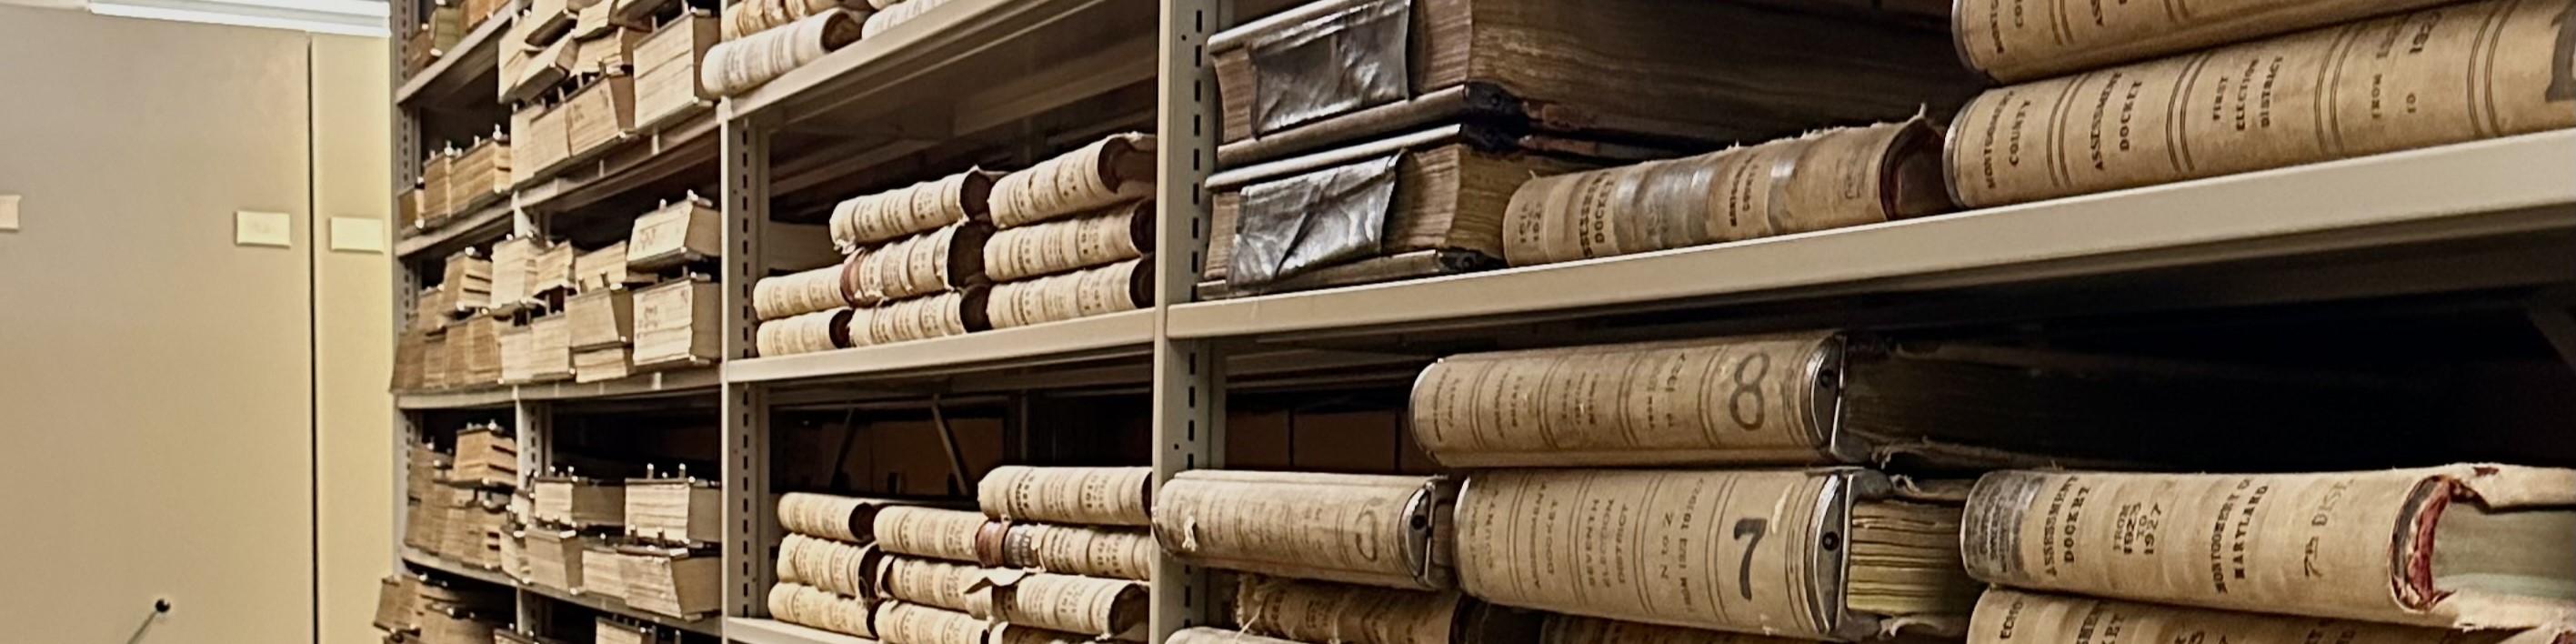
pixel 977 79
pixel 459 93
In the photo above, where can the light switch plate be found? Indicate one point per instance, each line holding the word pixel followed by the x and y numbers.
pixel 8 212
pixel 358 234
pixel 251 228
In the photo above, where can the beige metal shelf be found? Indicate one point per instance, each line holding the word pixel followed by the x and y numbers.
pixel 765 631
pixel 655 154
pixel 457 568
pixel 1127 334
pixel 470 72
pixel 652 153
pixel 2497 189
pixel 704 626
pixel 489 222
pixel 984 63
pixel 675 382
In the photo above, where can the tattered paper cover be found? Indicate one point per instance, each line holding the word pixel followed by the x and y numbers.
pixel 2443 75
pixel 1349 528
pixel 2006 616
pixel 2350 545
pixel 1735 400
pixel 1726 550
pixel 1329 216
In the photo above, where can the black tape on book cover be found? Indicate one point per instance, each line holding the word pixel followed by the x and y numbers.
pixel 1344 60
pixel 1311 220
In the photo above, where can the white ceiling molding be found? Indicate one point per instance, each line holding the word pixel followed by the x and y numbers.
pixel 344 17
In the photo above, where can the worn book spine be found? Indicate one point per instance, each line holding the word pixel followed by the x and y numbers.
pixel 1111 170
pixel 2005 616
pixel 901 623
pixel 1722 401
pixel 805 333
pixel 809 606
pixel 1742 551
pixel 2348 545
pixel 2019 40
pixel 1577 629
pixel 2431 77
pixel 1123 286
pixel 738 65
pixel 1121 232
pixel 1351 528
pixel 798 293
pixel 1831 179
pixel 1121 496
pixel 842 518
pixel 928 582
pixel 1106 608
pixel 1204 635
pixel 1316 611
pixel 930 262
pixel 866 220
pixel 919 318
pixel 929 532
pixel 823 563
pixel 1080 550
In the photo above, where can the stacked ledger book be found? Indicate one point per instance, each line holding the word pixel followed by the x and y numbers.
pixel 975 251
pixel 1057 555
pixel 1824 486
pixel 2105 96
pixel 542 310
pixel 1373 140
pixel 416 608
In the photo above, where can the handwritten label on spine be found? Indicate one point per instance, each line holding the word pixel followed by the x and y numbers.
pixel 1725 401
pixel 1723 550
pixel 2016 40
pixel 2437 76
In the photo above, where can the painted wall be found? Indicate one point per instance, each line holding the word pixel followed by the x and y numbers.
pixel 157 382
pixel 352 117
